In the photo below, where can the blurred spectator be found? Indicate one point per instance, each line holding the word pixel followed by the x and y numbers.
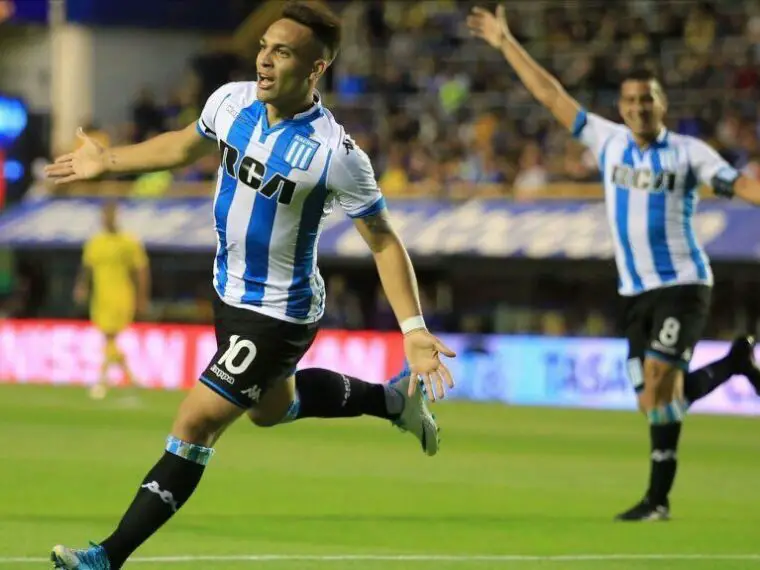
pixel 532 175
pixel 147 116
pixel 394 180
pixel 433 108
pixel 342 306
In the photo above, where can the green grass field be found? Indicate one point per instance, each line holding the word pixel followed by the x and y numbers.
pixel 512 488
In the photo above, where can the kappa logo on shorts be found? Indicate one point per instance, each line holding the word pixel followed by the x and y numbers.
pixel 254 393
pixel 222 375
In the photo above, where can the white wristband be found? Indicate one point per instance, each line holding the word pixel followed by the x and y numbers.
pixel 413 324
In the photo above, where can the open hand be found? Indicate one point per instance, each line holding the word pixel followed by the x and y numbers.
pixel 423 352
pixel 487 26
pixel 85 163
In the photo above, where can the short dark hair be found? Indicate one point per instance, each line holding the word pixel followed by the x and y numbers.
pixel 640 74
pixel 323 22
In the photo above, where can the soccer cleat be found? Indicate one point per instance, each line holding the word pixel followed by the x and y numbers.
pixel 94 558
pixel 416 417
pixel 645 511
pixel 742 356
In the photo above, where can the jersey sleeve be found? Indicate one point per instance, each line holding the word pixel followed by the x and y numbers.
pixel 205 124
pixel 710 168
pixel 594 131
pixel 352 179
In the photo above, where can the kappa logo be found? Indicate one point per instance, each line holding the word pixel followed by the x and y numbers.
pixel 349 144
pixel 165 496
pixel 254 393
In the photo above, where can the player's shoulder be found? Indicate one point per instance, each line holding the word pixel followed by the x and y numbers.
pixel 327 130
pixel 597 132
pixel 243 90
pixel 345 151
pixel 689 141
pixel 586 118
pixel 349 157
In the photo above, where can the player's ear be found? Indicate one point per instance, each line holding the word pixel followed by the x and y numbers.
pixel 660 94
pixel 318 70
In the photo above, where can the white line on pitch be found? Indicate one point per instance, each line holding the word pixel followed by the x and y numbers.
pixel 415 558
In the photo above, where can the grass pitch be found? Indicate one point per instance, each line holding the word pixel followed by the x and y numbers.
pixel 522 488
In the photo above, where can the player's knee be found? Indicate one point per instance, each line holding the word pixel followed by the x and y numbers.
pixel 670 413
pixel 195 428
pixel 194 425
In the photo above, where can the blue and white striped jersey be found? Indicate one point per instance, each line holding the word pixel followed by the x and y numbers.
pixel 651 196
pixel 276 185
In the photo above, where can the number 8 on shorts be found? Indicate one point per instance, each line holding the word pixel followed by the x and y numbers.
pixel 669 331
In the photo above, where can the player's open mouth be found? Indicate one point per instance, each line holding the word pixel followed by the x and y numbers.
pixel 265 82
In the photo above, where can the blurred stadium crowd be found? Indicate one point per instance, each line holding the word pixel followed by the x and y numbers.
pixel 443 116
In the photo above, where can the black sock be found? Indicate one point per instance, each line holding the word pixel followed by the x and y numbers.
pixel 664 439
pixel 164 490
pixel 701 382
pixel 327 394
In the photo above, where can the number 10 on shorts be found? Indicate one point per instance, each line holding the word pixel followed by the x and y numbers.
pixel 238 345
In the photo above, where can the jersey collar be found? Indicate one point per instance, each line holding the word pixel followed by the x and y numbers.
pixel 304 117
pixel 312 111
pixel 660 142
pixel 662 139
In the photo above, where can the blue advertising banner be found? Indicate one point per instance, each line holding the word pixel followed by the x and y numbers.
pixel 571 373
pixel 489 228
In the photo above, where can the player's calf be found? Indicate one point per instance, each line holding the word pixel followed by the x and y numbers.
pixel 739 360
pixel 665 414
pixel 320 393
pixel 324 393
pixel 169 484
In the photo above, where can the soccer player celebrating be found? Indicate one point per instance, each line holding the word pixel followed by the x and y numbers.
pixel 284 162
pixel 115 277
pixel 651 178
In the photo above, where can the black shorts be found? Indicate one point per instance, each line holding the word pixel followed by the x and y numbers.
pixel 254 352
pixel 665 324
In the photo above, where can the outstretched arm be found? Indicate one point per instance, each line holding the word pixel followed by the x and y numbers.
pixel 393 265
pixel 352 178
pixel 541 84
pixel 163 152
pixel 400 285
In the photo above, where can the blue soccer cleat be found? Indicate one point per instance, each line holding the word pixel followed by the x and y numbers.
pixel 416 417
pixel 94 558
